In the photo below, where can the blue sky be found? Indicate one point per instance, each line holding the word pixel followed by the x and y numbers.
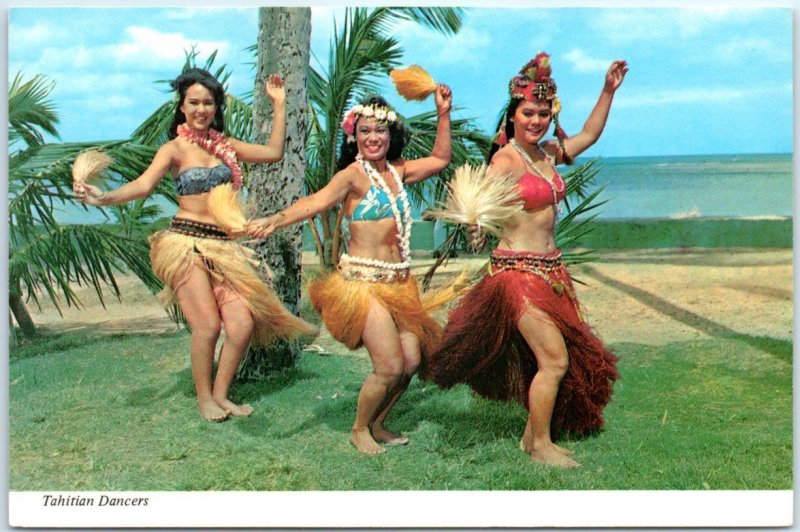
pixel 713 80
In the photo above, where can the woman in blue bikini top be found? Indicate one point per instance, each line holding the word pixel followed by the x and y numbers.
pixel 204 270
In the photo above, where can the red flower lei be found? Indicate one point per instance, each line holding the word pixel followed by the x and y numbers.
pixel 217 145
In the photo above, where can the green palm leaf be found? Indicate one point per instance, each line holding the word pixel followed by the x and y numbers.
pixel 445 20
pixel 45 255
pixel 82 254
pixel 29 111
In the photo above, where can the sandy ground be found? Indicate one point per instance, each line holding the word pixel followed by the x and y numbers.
pixel 642 296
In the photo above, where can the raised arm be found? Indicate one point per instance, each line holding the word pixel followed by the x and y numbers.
pixel 272 151
pixel 332 194
pixel 420 169
pixel 138 188
pixel 596 122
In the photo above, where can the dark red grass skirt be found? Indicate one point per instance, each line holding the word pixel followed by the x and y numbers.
pixel 483 348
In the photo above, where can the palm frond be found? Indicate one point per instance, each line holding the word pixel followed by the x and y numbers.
pixel 30 113
pixel 445 20
pixel 82 254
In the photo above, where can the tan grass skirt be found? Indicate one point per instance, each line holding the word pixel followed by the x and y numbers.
pixel 231 268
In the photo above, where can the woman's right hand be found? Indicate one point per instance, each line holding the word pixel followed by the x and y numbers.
pixel 88 194
pixel 262 227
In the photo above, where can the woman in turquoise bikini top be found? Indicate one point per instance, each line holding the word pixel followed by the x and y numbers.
pixel 370 186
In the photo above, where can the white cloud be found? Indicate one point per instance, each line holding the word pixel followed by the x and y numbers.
pixel 431 48
pixel 582 63
pixel 29 37
pixel 620 26
pixel 87 83
pixel 706 96
pixel 753 49
pixel 190 12
pixel 146 45
pixel 108 102
pixel 141 47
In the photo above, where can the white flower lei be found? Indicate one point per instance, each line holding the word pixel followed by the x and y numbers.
pixel 403 223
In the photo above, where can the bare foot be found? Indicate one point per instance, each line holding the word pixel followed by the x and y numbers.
pixel 210 410
pixel 233 408
pixel 388 437
pixel 550 455
pixel 568 452
pixel 364 442
pixel 528 448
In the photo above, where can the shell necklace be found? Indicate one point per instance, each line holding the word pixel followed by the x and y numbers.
pixel 529 162
pixel 403 223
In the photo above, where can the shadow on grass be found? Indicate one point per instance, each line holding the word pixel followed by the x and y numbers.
pixel 54 342
pixel 690 257
pixel 241 391
pixel 779 348
pixel 463 420
pixel 253 390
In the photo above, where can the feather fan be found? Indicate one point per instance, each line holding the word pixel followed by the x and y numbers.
pixel 90 164
pixel 480 196
pixel 413 83
pixel 224 205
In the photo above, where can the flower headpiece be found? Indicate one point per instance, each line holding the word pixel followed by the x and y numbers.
pixel 534 84
pixel 378 112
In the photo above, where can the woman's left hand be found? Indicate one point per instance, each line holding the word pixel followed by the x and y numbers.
pixel 616 73
pixel 444 98
pixel 275 89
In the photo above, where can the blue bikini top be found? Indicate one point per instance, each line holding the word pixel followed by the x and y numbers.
pixel 375 205
pixel 201 179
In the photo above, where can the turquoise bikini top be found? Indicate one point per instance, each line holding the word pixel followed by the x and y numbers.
pixel 375 205
pixel 201 179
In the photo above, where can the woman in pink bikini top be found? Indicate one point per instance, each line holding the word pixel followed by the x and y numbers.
pixel 537 191
pixel 536 342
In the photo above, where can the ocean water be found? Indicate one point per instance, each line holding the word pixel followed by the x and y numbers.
pixel 696 185
pixel 655 187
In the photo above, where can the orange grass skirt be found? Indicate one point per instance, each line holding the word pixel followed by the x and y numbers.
pixel 344 305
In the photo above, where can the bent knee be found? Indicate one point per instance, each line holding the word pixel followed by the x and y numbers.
pixel 390 372
pixel 207 329
pixel 554 363
pixel 240 329
pixel 411 366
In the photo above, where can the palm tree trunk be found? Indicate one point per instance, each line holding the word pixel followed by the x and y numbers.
pixel 284 36
pixel 22 315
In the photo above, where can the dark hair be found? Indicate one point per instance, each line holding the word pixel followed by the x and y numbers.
pixel 511 108
pixel 397 137
pixel 182 83
pixel 509 130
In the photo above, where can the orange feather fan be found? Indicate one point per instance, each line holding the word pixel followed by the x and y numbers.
pixel 413 83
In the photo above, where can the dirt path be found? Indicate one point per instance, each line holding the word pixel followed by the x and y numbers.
pixel 642 296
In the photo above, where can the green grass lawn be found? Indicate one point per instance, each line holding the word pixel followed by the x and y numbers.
pixel 118 413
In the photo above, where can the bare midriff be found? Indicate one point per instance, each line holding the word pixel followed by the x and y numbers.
pixel 195 207
pixel 374 239
pixel 531 231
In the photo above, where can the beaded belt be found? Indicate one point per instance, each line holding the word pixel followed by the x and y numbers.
pixel 548 267
pixel 188 227
pixel 371 270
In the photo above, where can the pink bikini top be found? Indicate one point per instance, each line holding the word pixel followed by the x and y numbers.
pixel 537 192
